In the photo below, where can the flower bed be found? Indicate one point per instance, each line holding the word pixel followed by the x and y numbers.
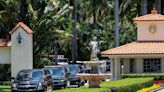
pixel 149 88
pixel 158 81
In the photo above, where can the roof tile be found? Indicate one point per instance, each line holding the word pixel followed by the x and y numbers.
pixel 137 48
pixel 150 17
pixel 5 43
pixel 22 25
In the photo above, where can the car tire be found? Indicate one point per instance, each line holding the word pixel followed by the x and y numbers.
pixel 13 91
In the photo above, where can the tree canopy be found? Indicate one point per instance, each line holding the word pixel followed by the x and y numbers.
pixel 52 24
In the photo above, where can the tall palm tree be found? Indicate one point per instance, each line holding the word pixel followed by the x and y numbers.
pixel 143 7
pixel 116 21
pixel 158 5
pixel 74 32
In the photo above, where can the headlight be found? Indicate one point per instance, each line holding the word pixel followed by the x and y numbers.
pixel 40 86
pixel 62 80
pixel 14 85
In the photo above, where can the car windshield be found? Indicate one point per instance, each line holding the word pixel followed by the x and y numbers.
pixel 73 69
pixel 37 74
pixel 57 71
pixel 62 60
pixel 23 75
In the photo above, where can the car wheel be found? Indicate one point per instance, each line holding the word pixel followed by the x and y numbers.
pixel 13 91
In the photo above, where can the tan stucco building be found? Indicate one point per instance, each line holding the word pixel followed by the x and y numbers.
pixel 146 55
pixel 19 50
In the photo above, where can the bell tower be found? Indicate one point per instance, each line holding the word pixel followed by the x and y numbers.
pixel 150 27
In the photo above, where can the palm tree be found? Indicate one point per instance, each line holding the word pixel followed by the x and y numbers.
pixel 158 5
pixel 74 32
pixel 116 21
pixel 143 7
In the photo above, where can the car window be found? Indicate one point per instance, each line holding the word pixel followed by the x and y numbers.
pixel 37 74
pixel 22 75
pixel 74 69
pixel 58 71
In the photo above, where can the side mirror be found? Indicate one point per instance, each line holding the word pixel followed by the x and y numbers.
pixel 68 73
pixel 12 79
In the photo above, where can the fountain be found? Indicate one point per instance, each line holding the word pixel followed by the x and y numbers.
pixel 93 77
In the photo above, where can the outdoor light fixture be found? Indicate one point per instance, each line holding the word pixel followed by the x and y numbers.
pixel 19 38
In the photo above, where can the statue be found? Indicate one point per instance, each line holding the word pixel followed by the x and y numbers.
pixel 94 48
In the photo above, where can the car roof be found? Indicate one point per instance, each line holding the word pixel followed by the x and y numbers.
pixel 30 70
pixel 54 66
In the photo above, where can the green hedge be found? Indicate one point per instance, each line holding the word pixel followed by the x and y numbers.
pixel 156 76
pixel 128 84
pixel 5 83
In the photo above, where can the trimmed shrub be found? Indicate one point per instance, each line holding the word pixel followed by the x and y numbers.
pixel 128 84
pixel 156 76
pixel 5 83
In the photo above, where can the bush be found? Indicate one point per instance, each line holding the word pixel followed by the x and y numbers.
pixel 156 76
pixel 5 83
pixel 149 89
pixel 128 84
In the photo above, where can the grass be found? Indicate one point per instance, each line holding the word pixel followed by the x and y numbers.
pixel 4 88
pixel 83 89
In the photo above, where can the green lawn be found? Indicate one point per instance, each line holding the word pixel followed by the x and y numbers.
pixel 4 88
pixel 81 89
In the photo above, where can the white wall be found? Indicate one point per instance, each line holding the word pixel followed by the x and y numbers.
pixel 143 33
pixel 5 55
pixel 21 54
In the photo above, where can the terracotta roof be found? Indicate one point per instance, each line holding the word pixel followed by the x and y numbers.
pixel 150 17
pixel 22 25
pixel 137 48
pixel 5 43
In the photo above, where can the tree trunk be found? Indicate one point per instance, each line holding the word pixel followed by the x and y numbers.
pixel 143 7
pixel 116 21
pixel 74 32
pixel 56 54
pixel 94 13
pixel 158 6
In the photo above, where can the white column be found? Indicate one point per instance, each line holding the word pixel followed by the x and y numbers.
pixel 112 70
pixel 139 65
pixel 162 65
pixel 115 69
pixel 126 66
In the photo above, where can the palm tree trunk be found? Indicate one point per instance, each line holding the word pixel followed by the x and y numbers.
pixel 116 21
pixel 143 7
pixel 158 6
pixel 74 32
pixel 94 13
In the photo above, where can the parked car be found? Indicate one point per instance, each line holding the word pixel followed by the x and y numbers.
pixel 73 70
pixel 32 80
pixel 59 75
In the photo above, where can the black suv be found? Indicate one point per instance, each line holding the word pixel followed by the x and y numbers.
pixel 73 70
pixel 32 80
pixel 59 75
